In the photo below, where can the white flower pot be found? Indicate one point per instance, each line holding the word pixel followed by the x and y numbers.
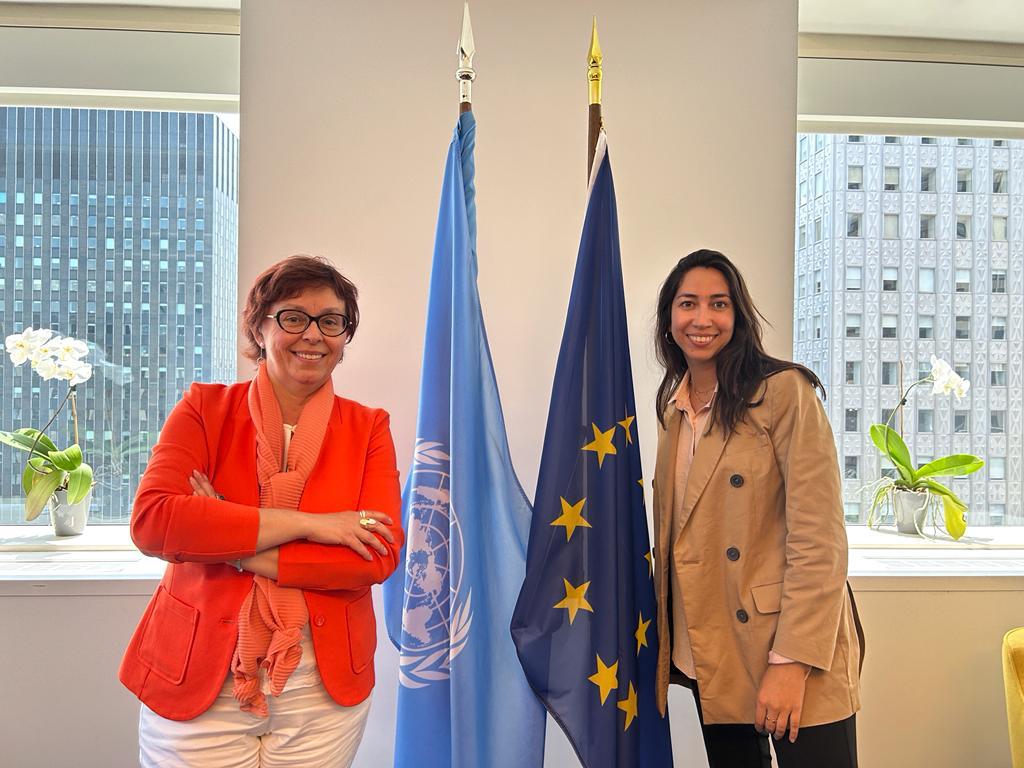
pixel 910 507
pixel 69 519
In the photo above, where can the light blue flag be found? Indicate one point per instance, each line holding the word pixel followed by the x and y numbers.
pixel 463 699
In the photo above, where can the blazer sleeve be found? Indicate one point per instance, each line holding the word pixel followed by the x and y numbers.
pixel 324 566
pixel 167 520
pixel 814 585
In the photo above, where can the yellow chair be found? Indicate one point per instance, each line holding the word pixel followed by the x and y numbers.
pixel 1013 679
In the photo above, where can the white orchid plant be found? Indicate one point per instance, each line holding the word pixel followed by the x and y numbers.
pixel 48 468
pixel 944 380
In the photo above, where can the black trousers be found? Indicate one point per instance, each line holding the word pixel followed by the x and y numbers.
pixel 833 745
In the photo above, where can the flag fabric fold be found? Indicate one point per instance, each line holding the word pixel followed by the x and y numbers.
pixel 584 625
pixel 463 699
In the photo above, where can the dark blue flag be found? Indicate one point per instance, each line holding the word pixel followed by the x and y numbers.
pixel 584 625
pixel 463 700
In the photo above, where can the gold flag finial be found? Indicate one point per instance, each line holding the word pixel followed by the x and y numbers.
pixel 594 66
pixel 465 74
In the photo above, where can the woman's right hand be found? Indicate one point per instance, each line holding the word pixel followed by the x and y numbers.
pixel 349 530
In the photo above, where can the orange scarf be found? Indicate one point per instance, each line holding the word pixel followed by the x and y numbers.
pixel 271 619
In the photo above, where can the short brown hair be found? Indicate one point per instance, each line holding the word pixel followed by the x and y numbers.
pixel 288 278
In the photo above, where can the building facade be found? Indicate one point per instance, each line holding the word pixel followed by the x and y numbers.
pixel 908 247
pixel 118 228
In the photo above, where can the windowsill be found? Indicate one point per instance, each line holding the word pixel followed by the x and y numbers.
pixel 103 560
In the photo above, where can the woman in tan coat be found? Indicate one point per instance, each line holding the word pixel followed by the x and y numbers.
pixel 754 611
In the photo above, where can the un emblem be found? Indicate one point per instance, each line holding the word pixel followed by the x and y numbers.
pixel 436 621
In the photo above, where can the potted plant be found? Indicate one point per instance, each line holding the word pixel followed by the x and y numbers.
pixel 914 495
pixel 52 475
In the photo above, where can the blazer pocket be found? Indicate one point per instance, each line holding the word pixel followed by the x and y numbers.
pixel 362 631
pixel 767 597
pixel 167 640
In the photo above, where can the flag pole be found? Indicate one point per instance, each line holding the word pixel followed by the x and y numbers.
pixel 594 80
pixel 465 74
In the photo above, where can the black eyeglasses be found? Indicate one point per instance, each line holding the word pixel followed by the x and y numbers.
pixel 296 321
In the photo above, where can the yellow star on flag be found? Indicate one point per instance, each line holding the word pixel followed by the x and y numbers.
pixel 574 599
pixel 601 444
pixel 628 705
pixel 649 557
pixel 626 423
pixel 606 678
pixel 572 517
pixel 641 633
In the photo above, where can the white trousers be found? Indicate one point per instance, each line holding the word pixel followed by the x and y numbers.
pixel 306 727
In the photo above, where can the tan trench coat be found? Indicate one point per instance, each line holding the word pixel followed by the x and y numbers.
pixel 761 555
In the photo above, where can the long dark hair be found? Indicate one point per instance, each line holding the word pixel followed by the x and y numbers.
pixel 741 365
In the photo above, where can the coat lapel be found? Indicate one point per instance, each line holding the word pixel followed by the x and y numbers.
pixel 664 468
pixel 705 459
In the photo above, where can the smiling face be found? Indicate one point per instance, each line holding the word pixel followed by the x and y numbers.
pixel 301 362
pixel 703 315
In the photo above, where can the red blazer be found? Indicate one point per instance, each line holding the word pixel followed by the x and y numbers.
pixel 179 655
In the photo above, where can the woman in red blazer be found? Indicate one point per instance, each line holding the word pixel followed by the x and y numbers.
pixel 276 505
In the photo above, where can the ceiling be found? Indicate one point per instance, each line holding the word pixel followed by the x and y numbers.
pixel 983 20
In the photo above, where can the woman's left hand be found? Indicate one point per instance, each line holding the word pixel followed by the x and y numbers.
pixel 780 700
pixel 201 485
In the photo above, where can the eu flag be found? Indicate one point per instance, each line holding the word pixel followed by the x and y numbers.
pixel 462 698
pixel 584 625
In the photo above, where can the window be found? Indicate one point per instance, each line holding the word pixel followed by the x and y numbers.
pixel 853 278
pixel 891 226
pixel 928 180
pixel 963 370
pixel 853 221
pixel 891 179
pixel 889 418
pixel 926 280
pixel 802 236
pixel 996 467
pixel 855 177
pixel 963 327
pixel 962 281
pixel 929 140
pixel 999 186
pixel 998 142
pixel 925 420
pixel 853 420
pixel 926 326
pixel 819 184
pixel 817 281
pixel 804 144
pixel 998 281
pixel 927 226
pixel 892 139
pixel 803 193
pixel 888 373
pixel 890 278
pixel 997 422
pixel 851 511
pixel 998 328
pixel 817 230
pixel 855 138
pixel 853 326
pixel 961 422
pixel 851 467
pixel 889 323
pixel 817 326
pixel 997 374
pixel 996 514
pixel 963 180
pixel 999 228
pixel 963 227
pixel 964 142
pixel 853 371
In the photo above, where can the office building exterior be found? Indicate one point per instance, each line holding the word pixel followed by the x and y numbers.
pixel 908 247
pixel 119 228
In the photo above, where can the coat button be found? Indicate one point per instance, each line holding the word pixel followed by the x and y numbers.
pixel 733 554
pixel 318 620
pixel 736 481
pixel 743 616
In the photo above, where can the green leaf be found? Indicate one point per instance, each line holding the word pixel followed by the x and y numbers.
pixel 955 514
pixel 79 483
pixel 957 464
pixel 889 442
pixel 34 467
pixel 24 439
pixel 68 459
pixel 42 490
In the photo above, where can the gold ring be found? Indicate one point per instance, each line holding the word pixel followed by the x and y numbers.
pixel 367 522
